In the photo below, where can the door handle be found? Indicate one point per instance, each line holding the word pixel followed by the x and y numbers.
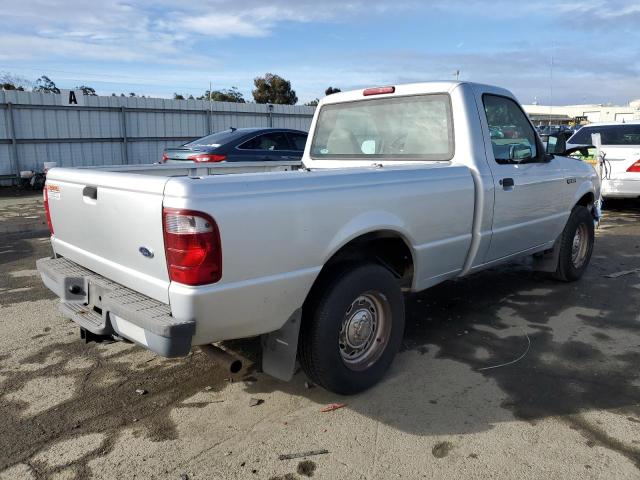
pixel 507 183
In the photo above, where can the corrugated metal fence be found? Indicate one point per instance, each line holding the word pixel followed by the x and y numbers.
pixel 37 127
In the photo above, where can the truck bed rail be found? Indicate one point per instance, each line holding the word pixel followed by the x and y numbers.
pixel 192 169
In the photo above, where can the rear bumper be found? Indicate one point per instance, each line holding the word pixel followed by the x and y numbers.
pixel 104 307
pixel 621 188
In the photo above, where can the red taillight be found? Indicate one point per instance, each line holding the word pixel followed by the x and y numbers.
pixel 47 213
pixel 207 157
pixel 378 91
pixel 192 247
pixel 165 157
pixel 635 167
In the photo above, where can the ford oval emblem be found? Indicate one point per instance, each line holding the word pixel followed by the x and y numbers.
pixel 146 252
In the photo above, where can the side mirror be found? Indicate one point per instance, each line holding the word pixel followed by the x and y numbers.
pixel 519 152
pixel 556 143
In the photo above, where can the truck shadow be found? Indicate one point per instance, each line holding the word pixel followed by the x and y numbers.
pixel 571 350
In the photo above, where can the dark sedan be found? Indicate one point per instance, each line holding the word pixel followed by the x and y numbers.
pixel 241 145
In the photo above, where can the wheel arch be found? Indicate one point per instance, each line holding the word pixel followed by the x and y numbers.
pixel 585 194
pixel 586 200
pixel 385 246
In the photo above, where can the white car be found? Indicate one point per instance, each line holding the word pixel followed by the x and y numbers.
pixel 621 146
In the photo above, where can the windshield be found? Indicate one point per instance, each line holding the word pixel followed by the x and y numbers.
pixel 415 127
pixel 214 140
pixel 610 135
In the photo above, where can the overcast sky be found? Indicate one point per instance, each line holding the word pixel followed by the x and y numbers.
pixel 160 47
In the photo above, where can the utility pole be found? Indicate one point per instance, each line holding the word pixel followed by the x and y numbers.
pixel 457 74
pixel 210 109
pixel 551 87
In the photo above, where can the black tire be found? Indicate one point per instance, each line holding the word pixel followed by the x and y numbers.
pixel 567 270
pixel 323 316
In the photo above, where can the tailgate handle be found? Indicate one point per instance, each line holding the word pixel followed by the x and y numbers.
pixel 91 192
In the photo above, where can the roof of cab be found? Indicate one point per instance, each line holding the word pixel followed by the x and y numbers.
pixel 446 86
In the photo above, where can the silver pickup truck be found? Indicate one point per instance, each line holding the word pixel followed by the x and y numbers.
pixel 400 188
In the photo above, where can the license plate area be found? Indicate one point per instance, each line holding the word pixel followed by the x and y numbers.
pixel 95 293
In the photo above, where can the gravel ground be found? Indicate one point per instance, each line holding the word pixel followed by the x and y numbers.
pixel 568 408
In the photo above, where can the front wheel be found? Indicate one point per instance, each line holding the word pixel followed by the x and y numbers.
pixel 352 328
pixel 576 245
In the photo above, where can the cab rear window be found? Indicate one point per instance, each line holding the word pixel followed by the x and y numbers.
pixel 411 127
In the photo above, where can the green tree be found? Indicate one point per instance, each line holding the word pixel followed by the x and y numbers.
pixel 87 90
pixel 274 89
pixel 226 95
pixel 313 103
pixel 45 85
pixel 331 91
pixel 177 96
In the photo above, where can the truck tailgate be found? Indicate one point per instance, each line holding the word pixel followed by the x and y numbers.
pixel 111 223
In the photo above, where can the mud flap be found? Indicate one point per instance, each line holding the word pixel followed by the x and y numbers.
pixel 279 349
pixel 548 260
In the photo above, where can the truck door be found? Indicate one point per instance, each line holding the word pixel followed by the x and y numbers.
pixel 530 204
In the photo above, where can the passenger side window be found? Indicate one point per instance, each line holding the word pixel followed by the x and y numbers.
pixel 298 140
pixel 512 136
pixel 268 141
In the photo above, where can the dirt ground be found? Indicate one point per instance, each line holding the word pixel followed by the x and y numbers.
pixel 20 211
pixel 568 408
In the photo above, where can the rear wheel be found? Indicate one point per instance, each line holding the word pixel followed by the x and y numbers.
pixel 576 245
pixel 352 328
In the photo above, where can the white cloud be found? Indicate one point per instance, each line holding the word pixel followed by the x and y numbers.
pixel 221 25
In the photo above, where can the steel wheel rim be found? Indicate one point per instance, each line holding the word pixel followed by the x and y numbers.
pixel 580 246
pixel 365 330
